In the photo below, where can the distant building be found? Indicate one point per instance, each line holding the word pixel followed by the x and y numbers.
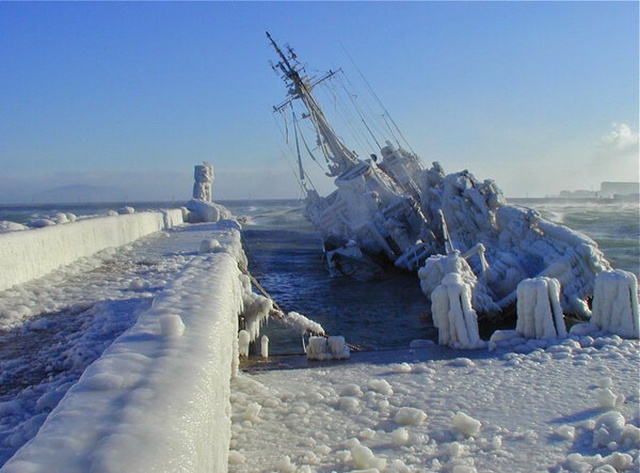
pixel 609 190
pixel 579 194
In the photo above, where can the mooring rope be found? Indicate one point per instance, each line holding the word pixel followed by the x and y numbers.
pixel 280 314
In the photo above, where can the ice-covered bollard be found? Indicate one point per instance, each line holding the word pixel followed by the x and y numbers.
pixel 264 346
pixel 332 348
pixel 453 315
pixel 615 303
pixel 338 347
pixel 317 348
pixel 539 309
pixel 243 342
pixel 203 177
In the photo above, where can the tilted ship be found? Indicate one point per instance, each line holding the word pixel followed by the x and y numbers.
pixel 389 211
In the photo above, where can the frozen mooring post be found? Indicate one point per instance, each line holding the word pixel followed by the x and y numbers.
pixel 203 177
pixel 453 315
pixel 615 303
pixel 201 207
pixel 539 309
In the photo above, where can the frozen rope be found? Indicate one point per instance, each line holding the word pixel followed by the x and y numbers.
pixel 281 315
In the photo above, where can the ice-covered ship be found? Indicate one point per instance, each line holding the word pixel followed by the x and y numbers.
pixel 390 211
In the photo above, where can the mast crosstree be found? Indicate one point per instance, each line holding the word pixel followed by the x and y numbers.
pixel 300 87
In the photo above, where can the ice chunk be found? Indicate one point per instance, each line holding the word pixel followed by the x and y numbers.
pixel 609 428
pixel 615 303
pixel 466 425
pixel 171 325
pixel 210 245
pixel 381 386
pixel 539 309
pixel 607 399
pixel 400 436
pixel 264 346
pixel 363 457
pixel 410 416
pixel 252 411
pixel 455 319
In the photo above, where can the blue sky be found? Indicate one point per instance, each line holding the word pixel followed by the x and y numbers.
pixel 540 96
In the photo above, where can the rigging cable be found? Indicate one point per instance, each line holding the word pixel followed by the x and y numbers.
pixel 347 118
pixel 357 108
pixel 376 97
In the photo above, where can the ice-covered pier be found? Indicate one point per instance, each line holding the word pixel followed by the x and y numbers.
pixel 157 399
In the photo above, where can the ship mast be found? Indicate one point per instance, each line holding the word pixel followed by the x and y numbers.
pixel 300 88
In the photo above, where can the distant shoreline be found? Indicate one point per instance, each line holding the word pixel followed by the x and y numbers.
pixel 180 203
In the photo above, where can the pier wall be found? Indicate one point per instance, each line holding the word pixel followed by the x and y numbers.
pixel 158 399
pixel 29 254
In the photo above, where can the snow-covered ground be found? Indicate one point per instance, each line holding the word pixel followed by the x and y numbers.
pixel 561 405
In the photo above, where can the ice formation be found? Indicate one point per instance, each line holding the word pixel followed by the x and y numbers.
pixel 453 314
pixel 327 348
pixel 615 303
pixel 6 226
pixel 201 207
pixel 539 309
pixel 255 308
pixel 301 323
pixel 244 339
pixel 436 267
pixel 203 176
pixel 264 346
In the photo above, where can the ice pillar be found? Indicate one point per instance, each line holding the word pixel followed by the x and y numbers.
pixel 615 303
pixel 453 315
pixel 539 309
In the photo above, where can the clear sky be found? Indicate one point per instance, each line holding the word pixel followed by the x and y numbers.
pixel 539 96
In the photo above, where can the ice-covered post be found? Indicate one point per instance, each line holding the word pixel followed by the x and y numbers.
pixel 615 303
pixel 203 176
pixel 453 315
pixel 539 309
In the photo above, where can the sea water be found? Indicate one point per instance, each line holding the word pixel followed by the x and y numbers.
pixel 285 255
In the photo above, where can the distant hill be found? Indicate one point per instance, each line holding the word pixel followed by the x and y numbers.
pixel 80 193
